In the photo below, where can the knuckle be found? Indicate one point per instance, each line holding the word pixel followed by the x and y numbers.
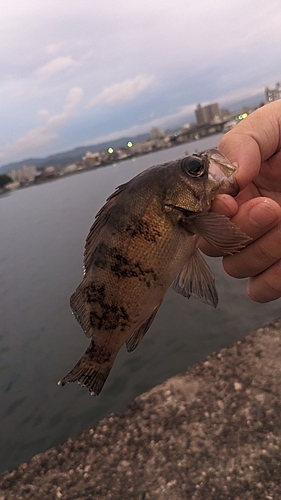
pixel 266 286
pixel 261 253
pixel 230 266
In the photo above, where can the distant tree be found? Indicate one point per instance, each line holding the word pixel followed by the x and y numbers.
pixel 4 179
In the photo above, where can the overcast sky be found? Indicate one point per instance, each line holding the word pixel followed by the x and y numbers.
pixel 77 72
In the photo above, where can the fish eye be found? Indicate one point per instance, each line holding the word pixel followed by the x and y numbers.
pixel 193 166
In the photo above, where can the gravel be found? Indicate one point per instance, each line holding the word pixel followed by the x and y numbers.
pixel 213 432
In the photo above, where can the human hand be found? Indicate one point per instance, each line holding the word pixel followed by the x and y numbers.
pixel 255 146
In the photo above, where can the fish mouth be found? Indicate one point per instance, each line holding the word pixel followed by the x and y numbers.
pixel 222 172
pixel 229 186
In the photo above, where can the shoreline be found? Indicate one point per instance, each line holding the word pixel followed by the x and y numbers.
pixel 213 432
pixel 142 149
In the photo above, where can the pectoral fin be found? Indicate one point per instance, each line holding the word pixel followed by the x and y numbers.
pixel 196 280
pixel 138 334
pixel 218 230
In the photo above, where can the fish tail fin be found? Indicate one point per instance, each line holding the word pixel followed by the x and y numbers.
pixel 90 371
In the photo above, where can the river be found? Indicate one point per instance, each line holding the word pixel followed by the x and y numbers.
pixel 42 234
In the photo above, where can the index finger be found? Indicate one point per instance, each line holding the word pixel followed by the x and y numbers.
pixel 255 218
pixel 252 141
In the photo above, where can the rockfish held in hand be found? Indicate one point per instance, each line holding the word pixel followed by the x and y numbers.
pixel 143 240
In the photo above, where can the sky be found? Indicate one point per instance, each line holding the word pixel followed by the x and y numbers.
pixel 81 72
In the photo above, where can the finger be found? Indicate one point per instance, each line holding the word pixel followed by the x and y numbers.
pixel 224 204
pixel 257 257
pixel 255 218
pixel 249 143
pixel 267 285
pixel 269 179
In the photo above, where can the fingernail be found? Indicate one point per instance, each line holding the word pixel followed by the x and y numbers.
pixel 263 214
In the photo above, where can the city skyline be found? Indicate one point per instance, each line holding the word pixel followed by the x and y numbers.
pixel 86 73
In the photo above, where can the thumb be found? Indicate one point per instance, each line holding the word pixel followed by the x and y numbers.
pixel 253 141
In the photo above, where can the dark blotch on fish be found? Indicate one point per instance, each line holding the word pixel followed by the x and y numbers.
pixel 143 229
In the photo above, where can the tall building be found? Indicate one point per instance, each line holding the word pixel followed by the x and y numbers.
pixel 273 94
pixel 207 114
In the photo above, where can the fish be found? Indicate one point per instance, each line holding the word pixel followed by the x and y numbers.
pixel 144 240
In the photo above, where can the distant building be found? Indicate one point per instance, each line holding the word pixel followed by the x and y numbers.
pixel 224 113
pixel 25 174
pixel 92 160
pixel 50 170
pixel 157 133
pixel 70 168
pixel 273 94
pixel 185 127
pixel 207 114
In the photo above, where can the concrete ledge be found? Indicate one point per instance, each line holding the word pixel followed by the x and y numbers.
pixel 213 432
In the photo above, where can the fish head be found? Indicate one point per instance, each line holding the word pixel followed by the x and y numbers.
pixel 200 178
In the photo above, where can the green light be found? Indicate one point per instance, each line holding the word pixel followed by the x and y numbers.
pixel 110 150
pixel 242 116
pixel 129 144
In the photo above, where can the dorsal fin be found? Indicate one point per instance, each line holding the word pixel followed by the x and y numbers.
pixel 100 221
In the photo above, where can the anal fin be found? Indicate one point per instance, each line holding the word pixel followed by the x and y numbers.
pixel 196 280
pixel 138 334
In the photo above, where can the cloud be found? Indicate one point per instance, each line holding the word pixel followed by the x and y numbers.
pixel 240 93
pixel 55 66
pixel 124 91
pixel 184 114
pixel 52 48
pixel 200 52
pixel 164 121
pixel 43 134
